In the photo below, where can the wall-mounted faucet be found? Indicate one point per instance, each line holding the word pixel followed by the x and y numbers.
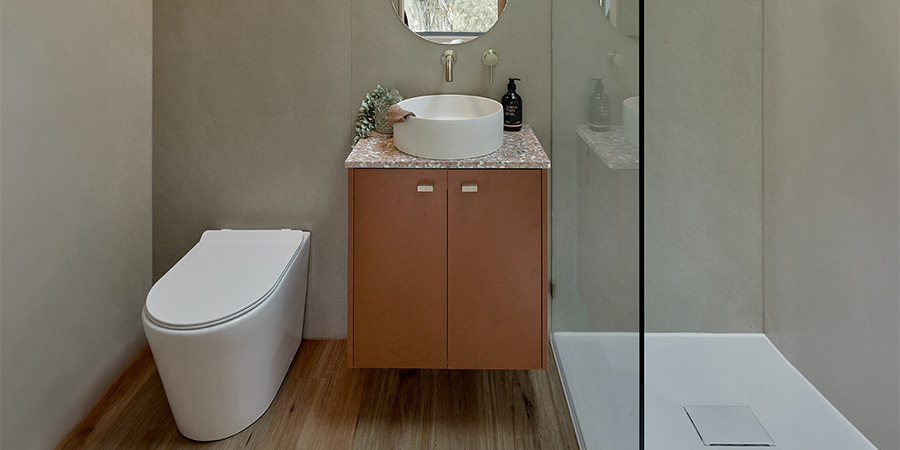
pixel 448 58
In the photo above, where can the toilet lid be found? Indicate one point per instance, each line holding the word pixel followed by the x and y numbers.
pixel 225 275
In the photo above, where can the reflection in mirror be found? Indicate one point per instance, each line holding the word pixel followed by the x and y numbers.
pixel 622 15
pixel 449 21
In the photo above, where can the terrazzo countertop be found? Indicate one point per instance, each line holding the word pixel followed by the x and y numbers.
pixel 520 150
pixel 611 147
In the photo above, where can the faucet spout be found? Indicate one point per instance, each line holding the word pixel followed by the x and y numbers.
pixel 448 58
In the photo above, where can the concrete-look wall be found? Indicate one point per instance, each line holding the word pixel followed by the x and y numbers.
pixel 703 165
pixel 608 244
pixel 252 120
pixel 254 104
pixel 385 52
pixel 832 189
pixel 75 207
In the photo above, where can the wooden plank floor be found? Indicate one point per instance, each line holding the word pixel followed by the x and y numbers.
pixel 324 405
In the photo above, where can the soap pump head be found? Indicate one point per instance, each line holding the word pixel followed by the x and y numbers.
pixel 512 83
pixel 598 87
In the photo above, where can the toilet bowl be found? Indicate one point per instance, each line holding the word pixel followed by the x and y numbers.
pixel 224 324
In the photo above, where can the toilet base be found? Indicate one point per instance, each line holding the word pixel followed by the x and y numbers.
pixel 219 380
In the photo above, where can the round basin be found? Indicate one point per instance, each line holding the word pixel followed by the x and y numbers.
pixel 631 120
pixel 450 127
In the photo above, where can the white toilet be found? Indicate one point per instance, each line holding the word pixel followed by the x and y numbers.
pixel 224 324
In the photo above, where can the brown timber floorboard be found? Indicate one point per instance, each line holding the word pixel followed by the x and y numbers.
pixel 324 405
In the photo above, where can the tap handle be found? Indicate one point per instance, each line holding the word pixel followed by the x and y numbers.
pixel 490 59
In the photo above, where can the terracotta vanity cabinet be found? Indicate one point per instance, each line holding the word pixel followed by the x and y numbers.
pixel 398 268
pixel 448 268
pixel 495 270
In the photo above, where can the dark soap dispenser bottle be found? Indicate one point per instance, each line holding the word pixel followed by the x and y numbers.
pixel 598 116
pixel 512 107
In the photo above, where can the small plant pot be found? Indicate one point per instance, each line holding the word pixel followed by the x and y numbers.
pixel 381 124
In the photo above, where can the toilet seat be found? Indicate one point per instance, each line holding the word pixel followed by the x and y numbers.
pixel 226 275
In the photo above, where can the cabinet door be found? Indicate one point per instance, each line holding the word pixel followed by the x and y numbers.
pixel 495 269
pixel 399 268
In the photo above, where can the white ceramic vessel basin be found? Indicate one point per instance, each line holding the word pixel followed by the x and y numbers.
pixel 450 127
pixel 631 119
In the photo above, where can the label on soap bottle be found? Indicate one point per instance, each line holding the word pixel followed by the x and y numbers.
pixel 512 116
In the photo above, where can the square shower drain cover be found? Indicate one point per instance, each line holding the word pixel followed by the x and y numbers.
pixel 728 426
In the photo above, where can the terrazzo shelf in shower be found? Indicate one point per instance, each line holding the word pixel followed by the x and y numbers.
pixel 611 147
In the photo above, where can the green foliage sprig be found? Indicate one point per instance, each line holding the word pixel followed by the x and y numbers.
pixel 372 115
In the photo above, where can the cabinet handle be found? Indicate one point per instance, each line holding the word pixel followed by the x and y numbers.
pixel 425 186
pixel 470 186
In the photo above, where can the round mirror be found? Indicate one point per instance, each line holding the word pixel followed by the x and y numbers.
pixel 622 15
pixel 449 21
